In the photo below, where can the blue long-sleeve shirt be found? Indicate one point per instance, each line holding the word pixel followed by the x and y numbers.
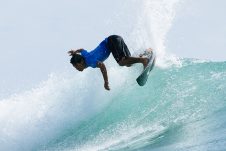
pixel 100 53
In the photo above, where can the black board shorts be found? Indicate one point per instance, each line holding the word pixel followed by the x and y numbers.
pixel 118 47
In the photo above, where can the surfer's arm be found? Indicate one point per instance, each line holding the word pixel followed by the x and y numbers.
pixel 104 73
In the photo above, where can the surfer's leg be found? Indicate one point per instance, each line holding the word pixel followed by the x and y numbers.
pixel 118 47
pixel 121 52
pixel 128 61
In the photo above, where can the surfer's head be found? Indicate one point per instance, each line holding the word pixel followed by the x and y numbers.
pixel 78 62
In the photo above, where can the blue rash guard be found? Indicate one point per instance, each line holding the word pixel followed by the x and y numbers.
pixel 100 53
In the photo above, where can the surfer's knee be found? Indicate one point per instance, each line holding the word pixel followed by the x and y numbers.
pixel 121 63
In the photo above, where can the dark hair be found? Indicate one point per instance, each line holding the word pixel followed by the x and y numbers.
pixel 76 58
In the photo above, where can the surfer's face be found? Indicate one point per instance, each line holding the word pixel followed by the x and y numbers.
pixel 79 66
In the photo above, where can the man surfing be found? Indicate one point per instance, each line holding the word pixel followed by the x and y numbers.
pixel 82 59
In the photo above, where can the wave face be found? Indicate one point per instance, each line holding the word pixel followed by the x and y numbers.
pixel 182 106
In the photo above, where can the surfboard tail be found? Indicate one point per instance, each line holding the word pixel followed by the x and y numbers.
pixel 142 79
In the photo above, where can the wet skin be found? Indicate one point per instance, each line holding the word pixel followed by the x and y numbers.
pixel 79 66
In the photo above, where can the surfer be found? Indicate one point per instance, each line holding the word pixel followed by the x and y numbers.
pixel 81 58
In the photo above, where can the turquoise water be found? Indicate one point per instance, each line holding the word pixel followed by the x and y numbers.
pixel 180 108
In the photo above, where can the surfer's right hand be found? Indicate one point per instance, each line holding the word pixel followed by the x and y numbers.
pixel 106 86
pixel 72 51
pixel 79 50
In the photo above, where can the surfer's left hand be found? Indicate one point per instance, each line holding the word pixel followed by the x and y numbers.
pixel 106 86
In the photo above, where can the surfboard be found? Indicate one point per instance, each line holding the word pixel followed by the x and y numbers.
pixel 143 77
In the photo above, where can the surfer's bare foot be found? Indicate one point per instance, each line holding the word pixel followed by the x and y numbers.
pixel 145 62
pixel 146 52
